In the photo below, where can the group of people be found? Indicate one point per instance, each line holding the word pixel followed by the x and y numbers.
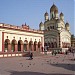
pixel 54 52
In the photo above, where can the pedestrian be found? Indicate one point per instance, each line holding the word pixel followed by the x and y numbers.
pixel 52 52
pixel 73 53
pixel 31 56
pixel 42 49
pixel 66 52
pixel 55 53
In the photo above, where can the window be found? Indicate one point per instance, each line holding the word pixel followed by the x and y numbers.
pixel 53 27
pixel 48 28
pixel 52 15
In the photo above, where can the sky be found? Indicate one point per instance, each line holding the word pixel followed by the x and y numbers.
pixel 31 12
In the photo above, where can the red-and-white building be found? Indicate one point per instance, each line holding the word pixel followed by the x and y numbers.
pixel 16 40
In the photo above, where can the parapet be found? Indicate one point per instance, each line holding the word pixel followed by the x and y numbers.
pixel 21 28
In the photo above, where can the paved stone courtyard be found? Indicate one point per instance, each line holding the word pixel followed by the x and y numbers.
pixel 41 65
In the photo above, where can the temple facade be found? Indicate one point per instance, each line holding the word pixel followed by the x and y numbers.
pixel 56 32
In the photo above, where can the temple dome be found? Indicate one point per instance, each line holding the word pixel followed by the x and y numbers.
pixel 67 24
pixel 46 14
pixel 54 8
pixel 61 14
pixel 41 24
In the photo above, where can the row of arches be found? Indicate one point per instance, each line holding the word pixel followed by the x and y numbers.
pixel 21 46
pixel 51 44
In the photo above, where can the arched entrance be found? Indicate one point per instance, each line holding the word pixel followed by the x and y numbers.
pixel 31 45
pixel 14 45
pixel 35 45
pixel 25 45
pixel 52 45
pixel 55 45
pixel 6 46
pixel 20 45
pixel 48 44
pixel 39 46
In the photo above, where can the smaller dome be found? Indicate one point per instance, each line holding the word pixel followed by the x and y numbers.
pixel 67 24
pixel 41 24
pixel 61 14
pixel 46 14
pixel 58 20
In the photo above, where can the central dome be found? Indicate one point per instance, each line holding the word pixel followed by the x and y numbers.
pixel 53 8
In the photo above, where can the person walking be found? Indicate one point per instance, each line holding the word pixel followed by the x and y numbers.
pixel 52 52
pixel 66 52
pixel 31 56
pixel 55 53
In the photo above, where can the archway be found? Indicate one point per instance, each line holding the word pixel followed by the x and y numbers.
pixel 55 45
pixel 35 45
pixel 31 45
pixel 49 44
pixel 7 43
pixel 20 45
pixel 52 45
pixel 40 46
pixel 14 45
pixel 25 45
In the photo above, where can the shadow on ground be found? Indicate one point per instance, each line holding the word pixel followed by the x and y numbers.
pixel 32 73
pixel 65 66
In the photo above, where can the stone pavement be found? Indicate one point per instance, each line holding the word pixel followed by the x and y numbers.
pixel 42 65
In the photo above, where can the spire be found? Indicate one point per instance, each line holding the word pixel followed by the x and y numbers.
pixel 53 3
pixel 46 14
pixel 25 23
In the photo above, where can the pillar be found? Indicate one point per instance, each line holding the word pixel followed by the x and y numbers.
pixel 32 47
pixel 9 47
pixel 36 47
pixel 16 48
pixel 2 41
pixel 22 48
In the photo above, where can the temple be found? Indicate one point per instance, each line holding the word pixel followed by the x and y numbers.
pixel 57 34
